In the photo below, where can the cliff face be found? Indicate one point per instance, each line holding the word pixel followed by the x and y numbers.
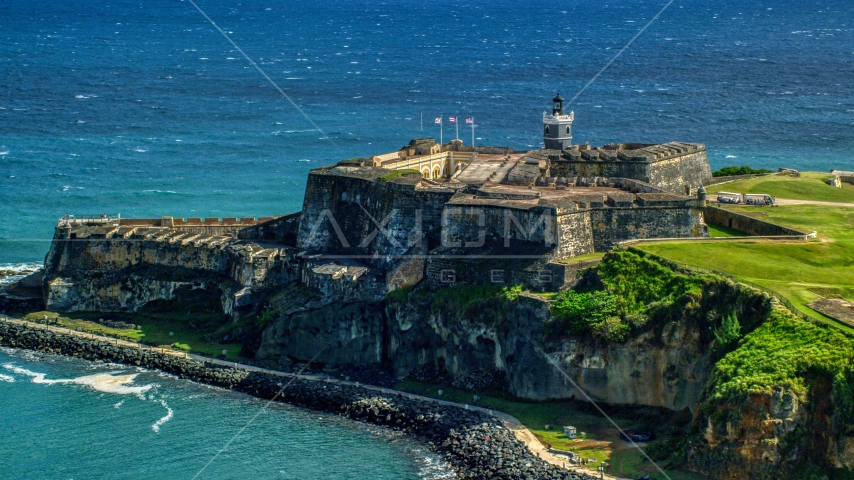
pixel 665 368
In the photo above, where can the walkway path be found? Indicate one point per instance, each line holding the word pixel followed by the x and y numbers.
pixel 789 201
pixel 514 425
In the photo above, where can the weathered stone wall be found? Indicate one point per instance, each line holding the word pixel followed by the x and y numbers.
pixel 125 272
pixel 473 226
pixel 613 225
pixel 747 224
pixel 282 229
pixel 672 174
pixel 575 234
pixel 409 216
pixel 675 174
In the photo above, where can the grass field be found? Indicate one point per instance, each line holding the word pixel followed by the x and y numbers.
pixel 603 440
pixel 809 186
pixel 802 272
pixel 155 331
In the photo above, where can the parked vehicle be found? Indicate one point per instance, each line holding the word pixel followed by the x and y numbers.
pixel 729 197
pixel 758 199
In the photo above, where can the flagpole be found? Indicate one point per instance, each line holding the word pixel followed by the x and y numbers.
pixel 422 124
pixel 472 131
pixel 441 127
pixel 457 123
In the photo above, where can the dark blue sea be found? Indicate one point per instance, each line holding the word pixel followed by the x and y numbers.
pixel 142 108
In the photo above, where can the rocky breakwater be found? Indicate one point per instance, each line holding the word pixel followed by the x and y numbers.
pixel 476 445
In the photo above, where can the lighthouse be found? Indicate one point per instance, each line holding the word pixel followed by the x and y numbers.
pixel 557 127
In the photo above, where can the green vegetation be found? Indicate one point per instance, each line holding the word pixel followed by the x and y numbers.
pixel 801 272
pixel 809 186
pixel 722 231
pixel 785 351
pixel 728 332
pixel 742 170
pixel 630 291
pixel 487 304
pixel 192 322
pixel 603 441
pixel 84 325
pixel 399 173
pixel 577 313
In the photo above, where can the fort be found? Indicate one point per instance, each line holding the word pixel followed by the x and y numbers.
pixel 377 224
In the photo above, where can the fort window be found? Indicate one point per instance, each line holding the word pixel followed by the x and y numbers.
pixel 343 196
pixel 547 129
pixel 567 129
pixel 358 198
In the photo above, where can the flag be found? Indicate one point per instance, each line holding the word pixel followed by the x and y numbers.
pixel 452 119
pixel 470 120
pixel 439 120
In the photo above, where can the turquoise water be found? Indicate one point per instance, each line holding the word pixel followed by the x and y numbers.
pixel 142 108
pixel 72 419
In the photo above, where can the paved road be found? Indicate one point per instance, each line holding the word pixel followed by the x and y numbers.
pixel 514 425
pixel 789 201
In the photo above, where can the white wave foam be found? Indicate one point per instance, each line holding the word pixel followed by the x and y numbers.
pixel 101 382
pixel 117 405
pixel 4 152
pixel 164 419
pixel 160 191
pixel 731 156
pixel 6 378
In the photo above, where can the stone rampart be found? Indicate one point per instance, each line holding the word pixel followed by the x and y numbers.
pixel 745 223
pixel 674 172
pixel 359 214
pixel 122 268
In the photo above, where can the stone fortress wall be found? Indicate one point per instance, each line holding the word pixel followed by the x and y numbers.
pixel 671 166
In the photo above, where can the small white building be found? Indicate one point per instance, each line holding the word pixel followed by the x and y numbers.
pixel 570 432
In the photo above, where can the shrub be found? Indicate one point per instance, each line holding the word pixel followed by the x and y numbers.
pixel 742 170
pixel 613 330
pixel 266 317
pixel 579 313
pixel 727 333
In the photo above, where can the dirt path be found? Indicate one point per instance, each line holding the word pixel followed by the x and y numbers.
pixel 788 201
pixel 514 425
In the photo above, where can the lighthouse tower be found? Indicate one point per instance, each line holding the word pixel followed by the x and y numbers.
pixel 557 127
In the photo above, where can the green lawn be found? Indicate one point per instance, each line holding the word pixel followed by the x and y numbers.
pixel 809 186
pixel 603 442
pixel 156 328
pixel 722 231
pixel 800 271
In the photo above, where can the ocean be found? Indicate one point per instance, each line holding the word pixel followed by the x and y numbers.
pixel 142 108
pixel 66 418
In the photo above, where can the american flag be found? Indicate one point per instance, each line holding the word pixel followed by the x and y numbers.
pixel 439 120
pixel 470 120
pixel 452 119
